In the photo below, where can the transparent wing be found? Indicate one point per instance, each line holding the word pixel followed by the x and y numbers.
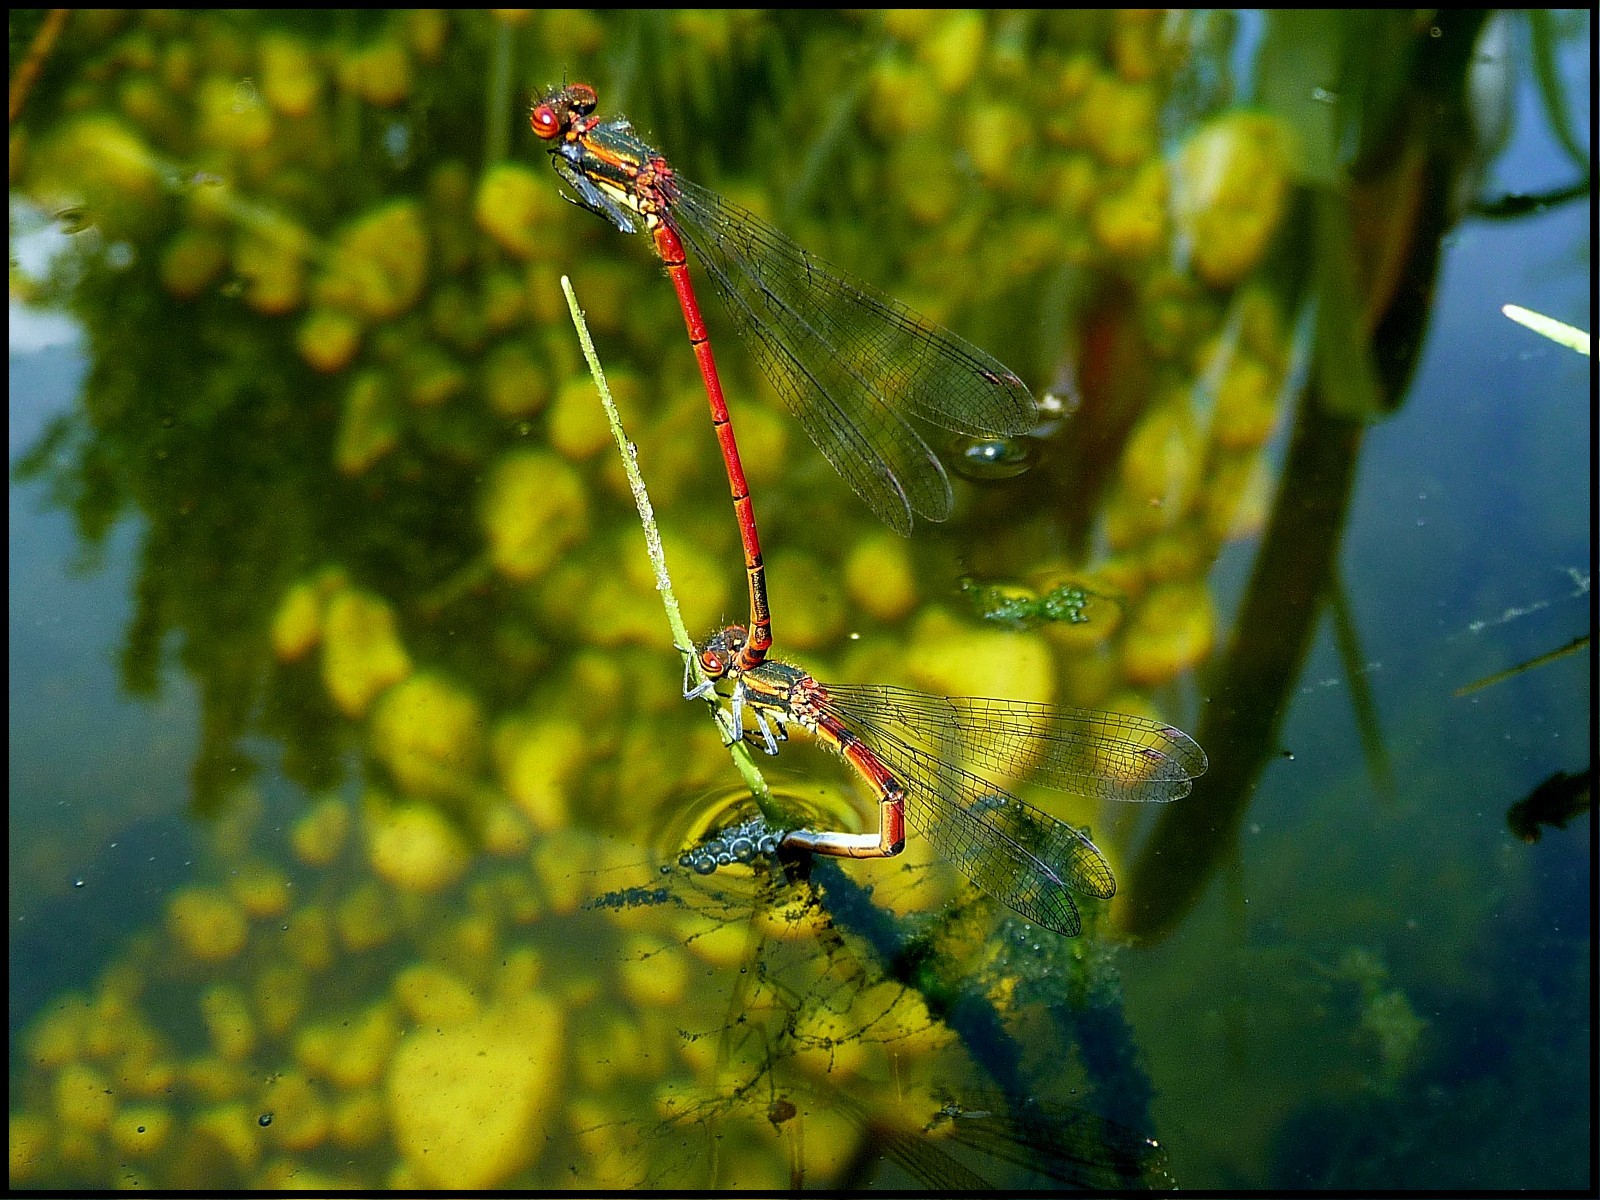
pixel 850 362
pixel 1105 755
pixel 1021 856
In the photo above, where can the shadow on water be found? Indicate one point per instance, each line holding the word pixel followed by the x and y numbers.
pixel 1256 677
pixel 994 1131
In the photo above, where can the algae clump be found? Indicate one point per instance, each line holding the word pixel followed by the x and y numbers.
pixel 471 1103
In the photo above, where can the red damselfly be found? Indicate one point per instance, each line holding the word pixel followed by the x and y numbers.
pixel 852 364
pixel 943 762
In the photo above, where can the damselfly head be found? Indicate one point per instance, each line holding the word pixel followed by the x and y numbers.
pixel 553 112
pixel 721 649
pixel 714 662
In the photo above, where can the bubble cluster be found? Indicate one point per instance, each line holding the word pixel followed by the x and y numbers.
pixel 735 844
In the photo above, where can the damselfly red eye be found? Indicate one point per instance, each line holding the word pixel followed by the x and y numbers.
pixel 545 121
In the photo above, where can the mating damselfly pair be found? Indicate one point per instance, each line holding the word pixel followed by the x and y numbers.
pixel 854 366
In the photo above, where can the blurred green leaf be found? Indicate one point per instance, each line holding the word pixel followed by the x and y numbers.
pixel 1553 94
pixel 1339 79
pixel 1298 76
pixel 1346 375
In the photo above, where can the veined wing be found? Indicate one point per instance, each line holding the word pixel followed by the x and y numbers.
pixel 1105 755
pixel 850 362
pixel 1071 1145
pixel 1021 856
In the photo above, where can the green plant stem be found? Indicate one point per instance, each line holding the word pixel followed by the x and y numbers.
pixel 658 559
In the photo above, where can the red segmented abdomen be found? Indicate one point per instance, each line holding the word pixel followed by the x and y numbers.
pixel 891 795
pixel 670 248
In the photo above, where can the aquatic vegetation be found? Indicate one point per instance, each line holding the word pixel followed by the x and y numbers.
pixel 297 625
pixel 1017 606
pixel 1116 120
pixel 576 425
pixel 328 340
pixel 291 80
pixel 459 1061
pixel 319 835
pixel 191 262
pixel 948 659
pixel 230 115
pixel 471 1102
pixel 206 924
pixel 380 73
pixel 1161 469
pixel 1171 630
pixel 1247 405
pixel 82 1099
pixel 1389 1017
pixel 903 101
pixel 434 587
pixel 95 163
pixel 513 206
pixel 953 47
pixel 261 889
pixel 534 507
pixel 228 1022
pixel 1237 501
pixel 280 994
pixel 809 594
pixel 878 577
pixel 540 761
pixel 271 260
pixel 413 847
pixel 430 995
pixel 1230 192
pixel 371 427
pixel 515 382
pixel 361 651
pixel 377 265
pixel 428 732
pixel 142 1131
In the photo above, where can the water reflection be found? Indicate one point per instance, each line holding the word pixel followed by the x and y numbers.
pixel 379 534
pixel 829 991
